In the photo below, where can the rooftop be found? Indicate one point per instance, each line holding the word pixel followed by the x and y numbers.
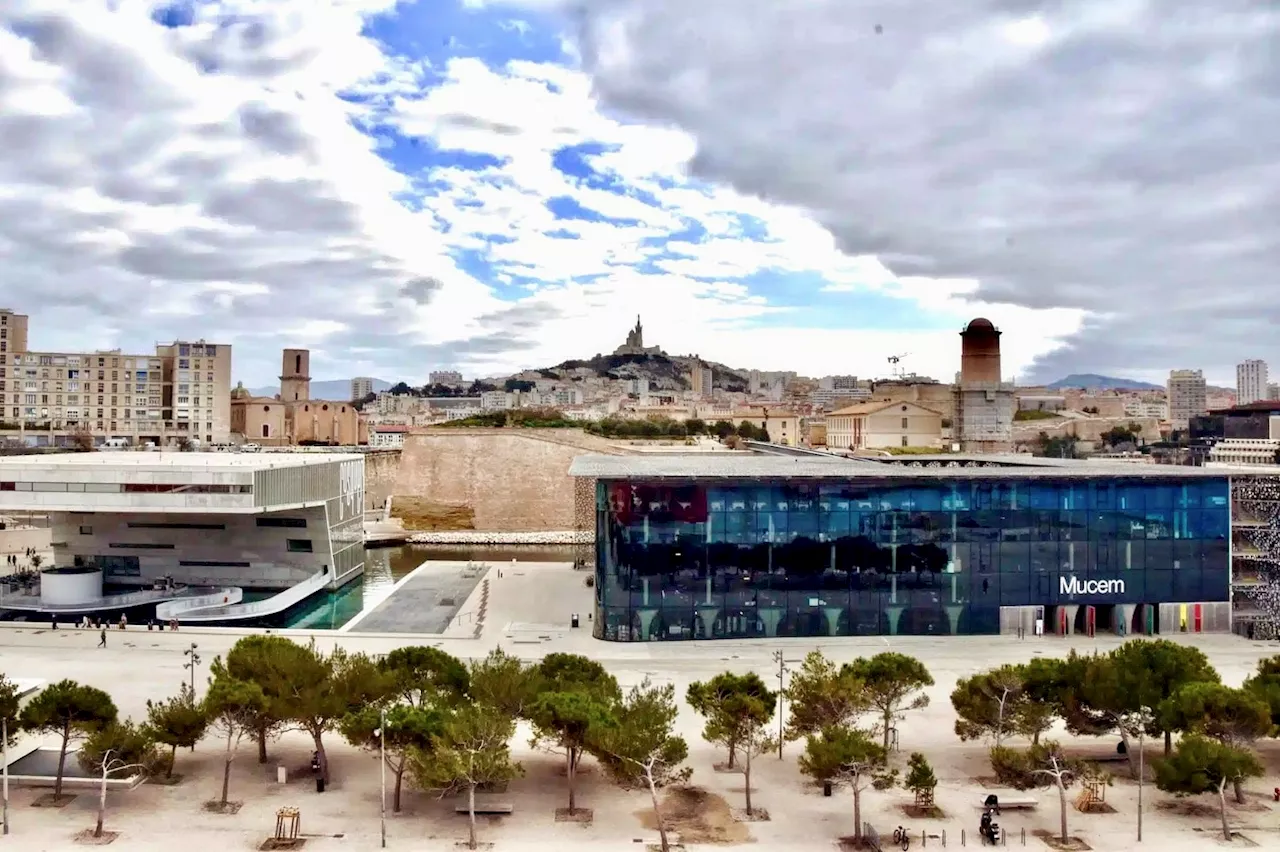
pixel 759 465
pixel 131 460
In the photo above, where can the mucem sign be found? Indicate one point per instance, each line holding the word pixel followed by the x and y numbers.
pixel 1073 586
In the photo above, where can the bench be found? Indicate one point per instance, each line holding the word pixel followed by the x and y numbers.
pixel 1011 801
pixel 483 808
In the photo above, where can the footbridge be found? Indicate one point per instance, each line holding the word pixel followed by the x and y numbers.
pixel 225 604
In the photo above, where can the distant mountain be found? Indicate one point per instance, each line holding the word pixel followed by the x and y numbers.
pixel 335 389
pixel 1092 380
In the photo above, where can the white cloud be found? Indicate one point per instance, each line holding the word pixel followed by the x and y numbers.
pixel 211 181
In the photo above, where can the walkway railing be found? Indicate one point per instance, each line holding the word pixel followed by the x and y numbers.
pixel 19 601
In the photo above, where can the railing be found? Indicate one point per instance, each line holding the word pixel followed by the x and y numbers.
pixel 219 597
pixel 121 601
pixel 240 611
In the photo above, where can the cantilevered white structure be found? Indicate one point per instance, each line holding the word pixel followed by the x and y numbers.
pixel 202 519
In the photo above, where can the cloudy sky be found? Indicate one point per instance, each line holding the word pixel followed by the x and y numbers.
pixel 485 185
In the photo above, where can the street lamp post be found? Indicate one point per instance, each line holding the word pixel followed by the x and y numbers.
pixel 4 732
pixel 783 668
pixel 382 761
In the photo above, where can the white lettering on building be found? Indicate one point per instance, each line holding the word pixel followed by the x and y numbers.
pixel 1075 586
pixel 351 487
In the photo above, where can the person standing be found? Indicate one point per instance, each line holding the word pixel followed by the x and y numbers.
pixel 102 637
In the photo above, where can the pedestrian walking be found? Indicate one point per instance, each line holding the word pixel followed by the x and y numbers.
pixel 102 638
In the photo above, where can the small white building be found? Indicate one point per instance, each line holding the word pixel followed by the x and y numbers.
pixel 264 521
pixel 387 436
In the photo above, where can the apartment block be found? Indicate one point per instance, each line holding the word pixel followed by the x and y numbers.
pixel 445 377
pixel 49 398
pixel 1251 381
pixel 361 386
pixel 1186 395
pixel 197 376
pixel 13 331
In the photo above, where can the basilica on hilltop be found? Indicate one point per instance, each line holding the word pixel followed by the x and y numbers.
pixel 635 343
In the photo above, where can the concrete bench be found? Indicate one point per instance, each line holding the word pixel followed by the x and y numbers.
pixel 1010 802
pixel 486 808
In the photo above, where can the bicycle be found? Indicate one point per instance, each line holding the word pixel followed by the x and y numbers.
pixel 902 837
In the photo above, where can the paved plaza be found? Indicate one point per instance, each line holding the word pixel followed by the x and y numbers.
pixel 527 615
pixel 425 601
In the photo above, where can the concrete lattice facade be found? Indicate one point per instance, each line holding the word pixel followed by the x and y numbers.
pixel 253 521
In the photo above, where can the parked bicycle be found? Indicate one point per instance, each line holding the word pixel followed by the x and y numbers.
pixel 902 837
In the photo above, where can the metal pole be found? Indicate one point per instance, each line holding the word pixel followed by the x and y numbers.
pixel 4 732
pixel 382 759
pixel 1141 772
pixel 781 693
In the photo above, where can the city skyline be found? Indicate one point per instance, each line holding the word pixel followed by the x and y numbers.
pixel 488 185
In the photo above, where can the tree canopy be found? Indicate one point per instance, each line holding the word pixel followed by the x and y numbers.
pixel 892 683
pixel 68 709
pixel 732 704
pixel 822 695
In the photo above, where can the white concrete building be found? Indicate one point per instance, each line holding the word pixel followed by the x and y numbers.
pixel 387 436
pixel 444 377
pixel 1186 395
pixel 1251 382
pixel 1153 409
pixel 1246 451
pixel 216 519
pixel 361 386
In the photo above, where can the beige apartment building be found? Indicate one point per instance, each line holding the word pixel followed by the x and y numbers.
pixel 883 424
pixel 1186 395
pixel 13 331
pixel 53 398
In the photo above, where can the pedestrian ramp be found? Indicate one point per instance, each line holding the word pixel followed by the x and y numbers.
pixel 225 605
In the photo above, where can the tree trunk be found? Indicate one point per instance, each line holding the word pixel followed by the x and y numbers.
pixel 62 761
pixel 1237 786
pixel 664 845
pixel 260 734
pixel 747 777
pixel 471 816
pixel 1222 809
pixel 733 753
pixel 1062 805
pixel 226 770
pixel 395 802
pixel 569 772
pixel 173 757
pixel 102 806
pixel 1168 743
pixel 888 718
pixel 857 811
pixel 1129 754
pixel 324 758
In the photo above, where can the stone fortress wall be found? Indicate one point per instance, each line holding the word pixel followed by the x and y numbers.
pixel 484 479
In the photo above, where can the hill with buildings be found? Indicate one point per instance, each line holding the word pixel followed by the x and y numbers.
pixel 662 371
pixel 1092 381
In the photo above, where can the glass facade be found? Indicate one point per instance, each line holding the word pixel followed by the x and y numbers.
pixel 736 559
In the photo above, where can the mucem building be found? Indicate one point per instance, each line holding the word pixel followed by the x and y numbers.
pixel 733 545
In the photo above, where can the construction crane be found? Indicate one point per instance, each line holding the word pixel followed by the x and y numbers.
pixel 895 365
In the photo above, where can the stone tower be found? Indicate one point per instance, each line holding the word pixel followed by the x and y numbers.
pixel 295 376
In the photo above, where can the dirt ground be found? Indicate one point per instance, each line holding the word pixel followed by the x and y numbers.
pixel 697 817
